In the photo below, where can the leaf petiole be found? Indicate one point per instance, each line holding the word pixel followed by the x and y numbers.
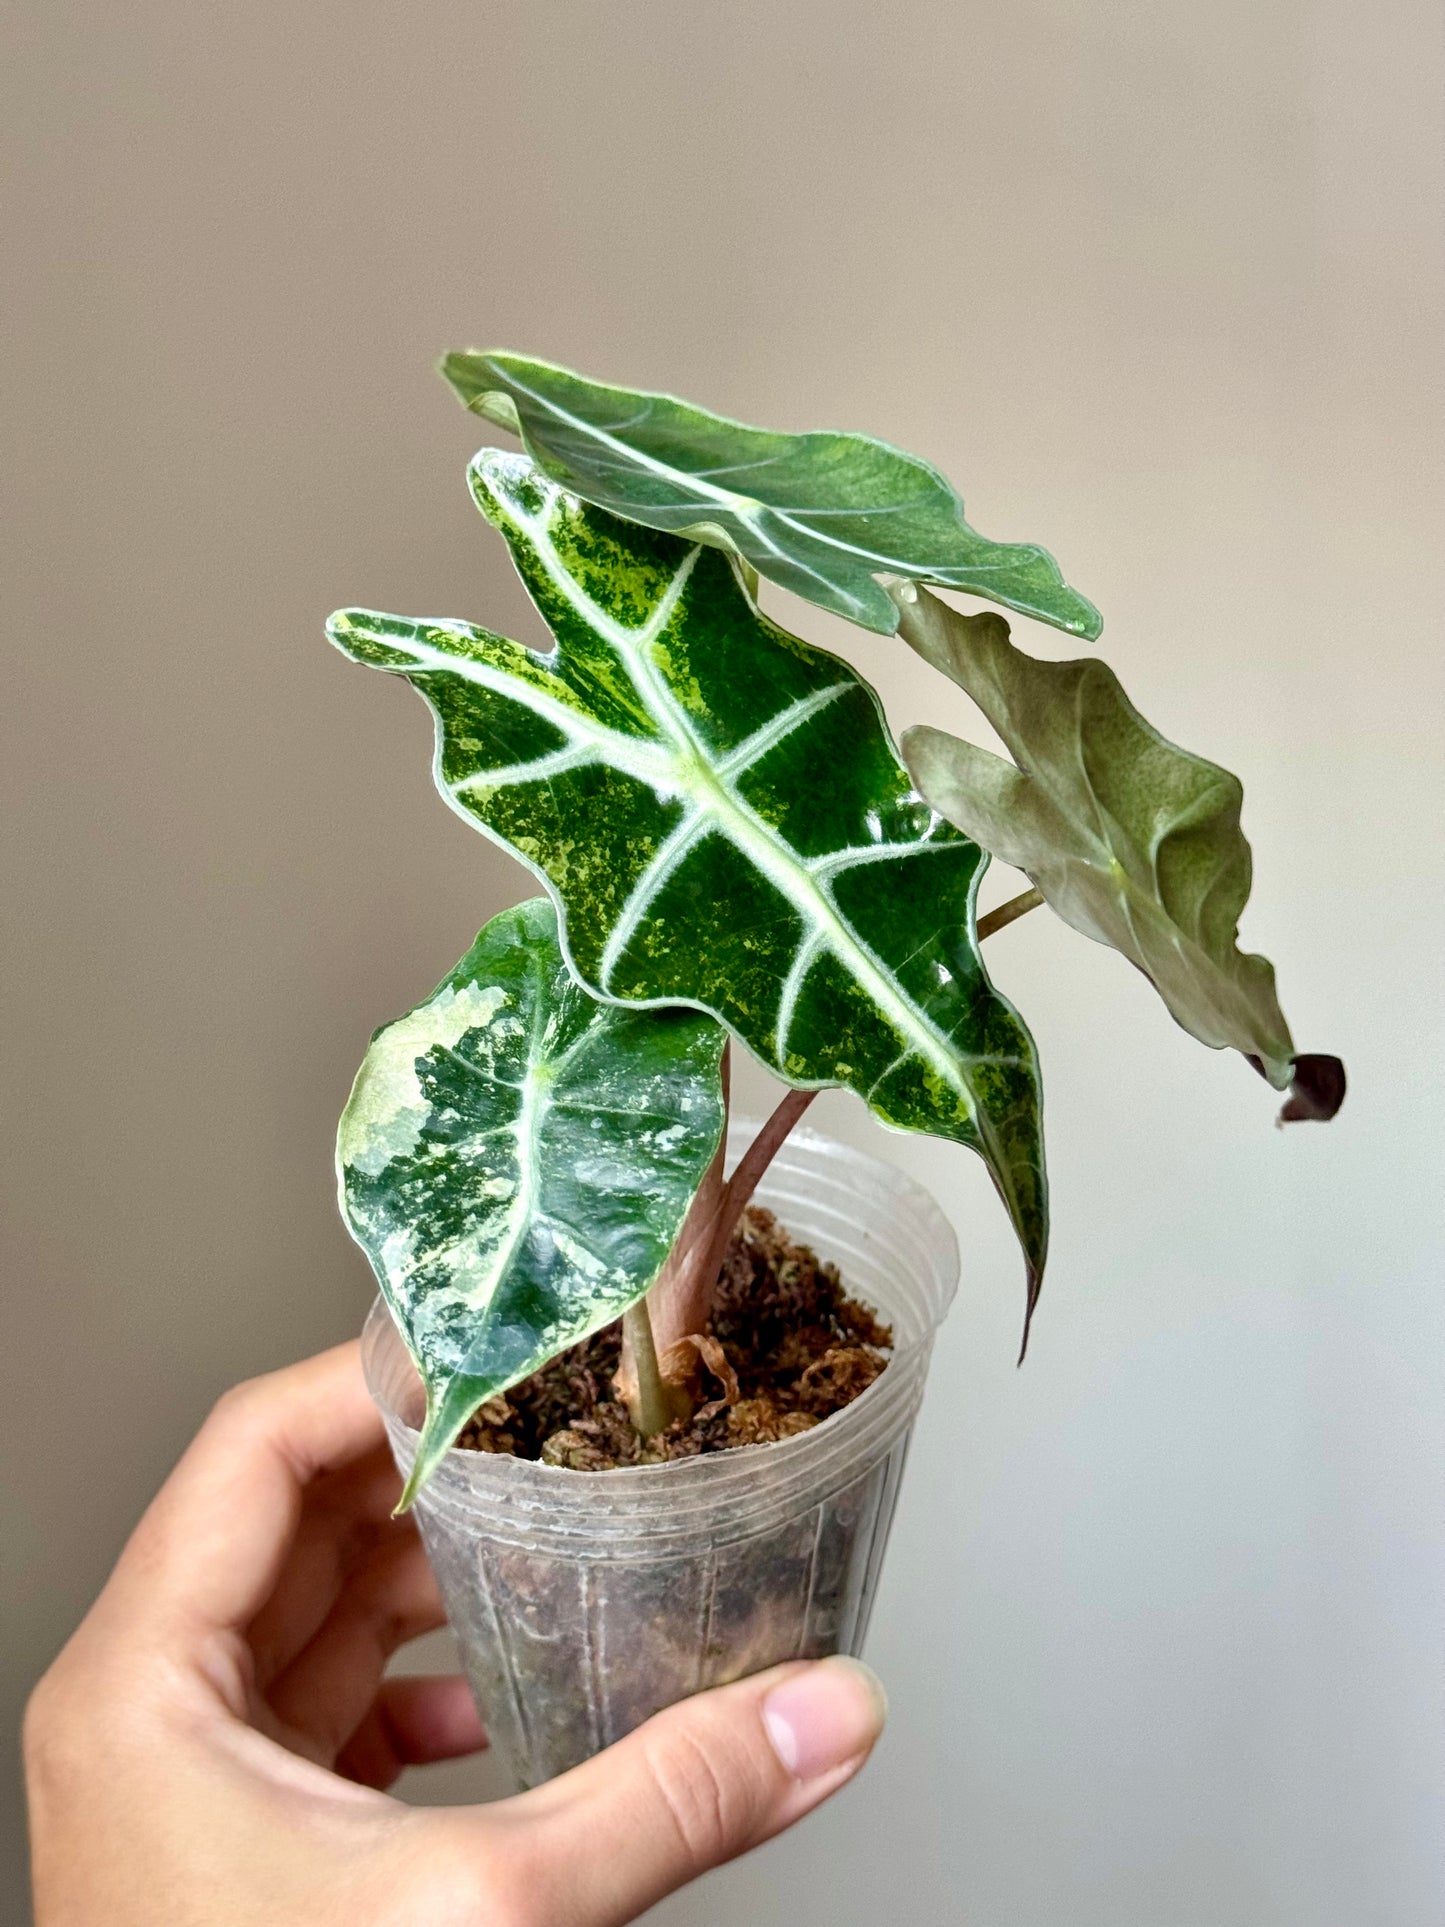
pixel 701 1248
pixel 648 1404
pixel 1009 912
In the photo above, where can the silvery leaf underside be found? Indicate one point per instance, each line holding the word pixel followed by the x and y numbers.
pixel 1134 841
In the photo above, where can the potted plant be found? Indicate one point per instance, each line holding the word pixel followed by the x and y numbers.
pixel 654 1435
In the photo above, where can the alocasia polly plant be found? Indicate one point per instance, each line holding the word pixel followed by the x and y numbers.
pixel 732 844
pixel 724 822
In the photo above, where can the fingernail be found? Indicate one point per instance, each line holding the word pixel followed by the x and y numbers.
pixel 822 1718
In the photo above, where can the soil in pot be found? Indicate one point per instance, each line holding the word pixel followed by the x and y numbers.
pixel 795 1347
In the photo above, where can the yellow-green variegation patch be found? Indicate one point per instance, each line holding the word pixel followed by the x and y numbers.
pixel 724 822
pixel 823 514
pixel 516 1160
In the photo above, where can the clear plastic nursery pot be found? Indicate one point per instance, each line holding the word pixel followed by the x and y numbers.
pixel 584 1602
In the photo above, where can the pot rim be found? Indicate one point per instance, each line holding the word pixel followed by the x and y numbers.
pixel 380 1329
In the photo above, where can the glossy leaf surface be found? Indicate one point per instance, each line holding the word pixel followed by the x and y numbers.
pixel 724 821
pixel 516 1160
pixel 1133 841
pixel 823 514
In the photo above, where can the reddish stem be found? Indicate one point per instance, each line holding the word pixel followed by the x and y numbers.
pixel 756 1159
pixel 752 1167
pixel 681 1301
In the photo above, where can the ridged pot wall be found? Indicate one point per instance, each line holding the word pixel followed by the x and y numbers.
pixel 583 1602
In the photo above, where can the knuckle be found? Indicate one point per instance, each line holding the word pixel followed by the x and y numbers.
pixel 710 1787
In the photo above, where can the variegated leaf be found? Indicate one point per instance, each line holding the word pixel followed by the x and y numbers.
pixel 1134 841
pixel 516 1160
pixel 823 514
pixel 723 819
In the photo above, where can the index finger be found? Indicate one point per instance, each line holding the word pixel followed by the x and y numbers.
pixel 211 1546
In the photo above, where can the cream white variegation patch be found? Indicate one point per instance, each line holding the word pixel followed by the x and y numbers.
pixel 388 1108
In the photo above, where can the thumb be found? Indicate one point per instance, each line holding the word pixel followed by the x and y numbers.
pixel 697 1785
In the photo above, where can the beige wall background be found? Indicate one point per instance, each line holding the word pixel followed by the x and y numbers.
pixel 1160 285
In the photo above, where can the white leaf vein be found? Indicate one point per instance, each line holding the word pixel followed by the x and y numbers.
pixel 717 798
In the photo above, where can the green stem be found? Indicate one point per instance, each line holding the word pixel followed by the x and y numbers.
pixel 651 1413
pixel 1005 914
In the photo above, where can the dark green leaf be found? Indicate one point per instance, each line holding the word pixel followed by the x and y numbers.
pixel 517 1159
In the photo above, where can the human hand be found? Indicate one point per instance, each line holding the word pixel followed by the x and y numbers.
pixel 212 1744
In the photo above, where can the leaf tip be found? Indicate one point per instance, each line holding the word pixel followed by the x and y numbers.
pixel 470 374
pixel 431 1448
pixel 455 368
pixel 1035 1286
pixel 1316 1088
pixel 341 628
pixel 1088 625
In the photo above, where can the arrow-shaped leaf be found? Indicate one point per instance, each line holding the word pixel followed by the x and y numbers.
pixel 1133 841
pixel 516 1160
pixel 823 514
pixel 723 820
